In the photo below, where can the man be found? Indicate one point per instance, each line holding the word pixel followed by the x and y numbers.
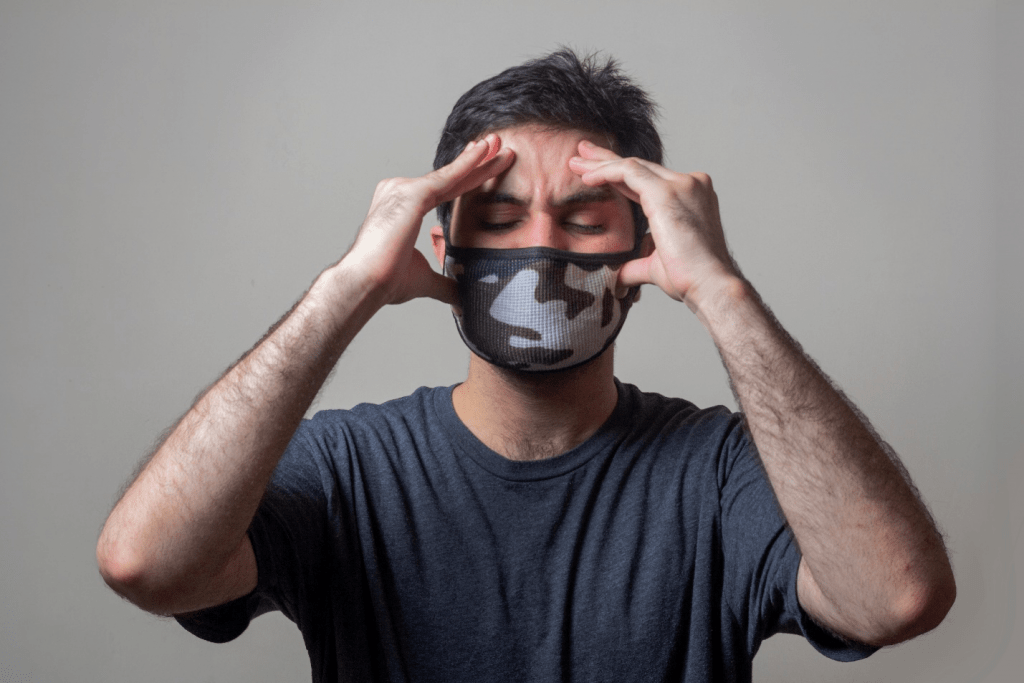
pixel 539 521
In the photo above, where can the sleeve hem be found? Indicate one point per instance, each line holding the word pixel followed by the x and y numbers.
pixel 220 623
pixel 223 623
pixel 826 642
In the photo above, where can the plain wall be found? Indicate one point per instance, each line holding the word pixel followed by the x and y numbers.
pixel 174 175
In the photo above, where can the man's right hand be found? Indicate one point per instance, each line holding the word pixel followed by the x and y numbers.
pixel 176 541
pixel 383 252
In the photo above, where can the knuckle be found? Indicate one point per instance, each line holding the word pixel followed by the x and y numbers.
pixel 403 190
pixel 394 196
pixel 702 178
pixel 688 183
pixel 386 187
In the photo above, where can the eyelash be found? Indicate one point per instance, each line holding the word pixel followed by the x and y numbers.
pixel 497 226
pixel 505 226
pixel 589 229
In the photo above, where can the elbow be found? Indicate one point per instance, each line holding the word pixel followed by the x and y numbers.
pixel 920 609
pixel 930 610
pixel 123 574
pixel 128 575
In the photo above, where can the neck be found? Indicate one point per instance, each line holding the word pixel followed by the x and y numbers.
pixel 532 416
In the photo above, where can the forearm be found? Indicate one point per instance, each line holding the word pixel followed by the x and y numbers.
pixel 866 538
pixel 874 567
pixel 182 523
pixel 188 510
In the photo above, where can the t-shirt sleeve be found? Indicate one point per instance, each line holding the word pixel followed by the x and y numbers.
pixel 288 535
pixel 762 557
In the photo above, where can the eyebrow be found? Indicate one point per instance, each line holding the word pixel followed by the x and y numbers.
pixel 591 195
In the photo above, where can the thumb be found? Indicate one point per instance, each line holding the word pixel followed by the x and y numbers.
pixel 420 280
pixel 638 271
pixel 442 288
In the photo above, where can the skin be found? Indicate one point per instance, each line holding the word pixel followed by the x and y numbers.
pixel 176 541
pixel 874 568
pixel 529 416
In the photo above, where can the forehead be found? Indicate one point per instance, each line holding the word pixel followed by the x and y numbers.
pixel 542 159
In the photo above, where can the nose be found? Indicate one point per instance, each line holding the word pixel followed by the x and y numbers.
pixel 542 230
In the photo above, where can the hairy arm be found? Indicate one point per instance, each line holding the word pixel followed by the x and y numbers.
pixel 874 567
pixel 176 541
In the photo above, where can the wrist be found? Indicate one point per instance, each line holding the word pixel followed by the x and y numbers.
pixel 343 294
pixel 734 315
pixel 718 297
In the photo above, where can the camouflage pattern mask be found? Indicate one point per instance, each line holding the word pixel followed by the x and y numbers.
pixel 537 309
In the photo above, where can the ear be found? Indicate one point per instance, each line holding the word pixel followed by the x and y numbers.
pixel 437 237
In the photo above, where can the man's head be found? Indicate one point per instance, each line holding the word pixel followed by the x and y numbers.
pixel 562 92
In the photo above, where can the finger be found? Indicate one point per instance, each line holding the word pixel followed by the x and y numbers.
pixel 632 274
pixel 420 280
pixel 628 176
pixel 493 145
pixel 593 152
pixel 638 271
pixel 442 288
pixel 592 180
pixel 638 179
pixel 490 168
pixel 479 161
pixel 621 188
pixel 472 155
pixel 583 165
pixel 590 150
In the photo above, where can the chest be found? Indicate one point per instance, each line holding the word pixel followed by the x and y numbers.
pixel 597 569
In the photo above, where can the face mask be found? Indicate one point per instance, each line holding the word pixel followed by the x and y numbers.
pixel 537 309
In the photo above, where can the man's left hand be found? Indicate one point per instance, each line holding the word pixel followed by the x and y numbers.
pixel 685 253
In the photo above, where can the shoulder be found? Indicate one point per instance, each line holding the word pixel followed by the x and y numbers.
pixel 375 435
pixel 653 411
pixel 415 409
pixel 675 425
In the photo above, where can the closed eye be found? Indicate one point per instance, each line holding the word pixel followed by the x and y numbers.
pixel 586 229
pixel 497 226
pixel 582 228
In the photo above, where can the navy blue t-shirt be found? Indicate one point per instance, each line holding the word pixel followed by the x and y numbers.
pixel 406 550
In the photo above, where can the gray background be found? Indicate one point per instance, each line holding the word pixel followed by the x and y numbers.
pixel 173 175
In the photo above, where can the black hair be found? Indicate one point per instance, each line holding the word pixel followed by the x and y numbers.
pixel 560 91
